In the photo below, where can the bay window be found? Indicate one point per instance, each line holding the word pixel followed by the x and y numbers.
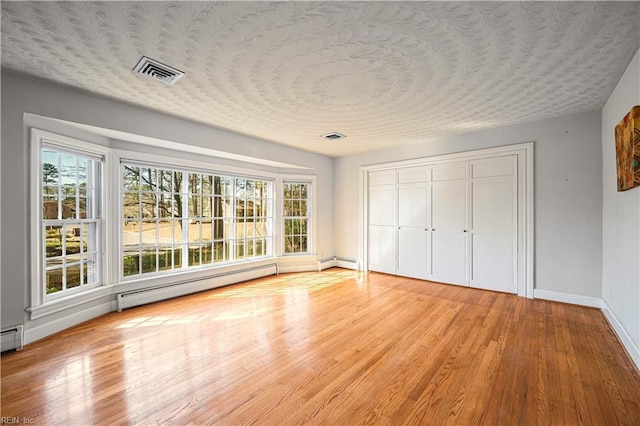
pixel 176 219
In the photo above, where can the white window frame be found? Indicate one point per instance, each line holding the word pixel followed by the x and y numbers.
pixel 311 212
pixel 41 303
pixel 157 161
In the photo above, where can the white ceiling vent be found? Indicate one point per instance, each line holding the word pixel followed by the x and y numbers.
pixel 334 136
pixel 157 70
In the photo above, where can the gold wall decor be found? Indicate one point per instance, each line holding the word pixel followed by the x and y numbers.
pixel 628 150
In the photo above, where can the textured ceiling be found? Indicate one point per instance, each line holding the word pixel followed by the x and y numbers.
pixel 383 73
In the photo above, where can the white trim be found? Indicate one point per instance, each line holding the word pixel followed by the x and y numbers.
pixel 160 161
pixel 574 299
pixel 627 342
pixel 278 198
pixel 51 327
pixel 155 294
pixel 36 293
pixel 68 302
pixel 525 155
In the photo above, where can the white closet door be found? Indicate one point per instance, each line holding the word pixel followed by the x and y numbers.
pixel 382 225
pixel 449 221
pixel 413 233
pixel 494 224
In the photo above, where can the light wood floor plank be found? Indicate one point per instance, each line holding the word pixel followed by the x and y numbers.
pixel 335 348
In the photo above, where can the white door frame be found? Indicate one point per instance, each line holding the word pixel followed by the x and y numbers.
pixel 525 230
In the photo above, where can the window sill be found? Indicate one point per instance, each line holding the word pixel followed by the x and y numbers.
pixel 54 306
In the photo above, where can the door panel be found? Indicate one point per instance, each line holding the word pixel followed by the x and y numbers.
pixel 382 249
pixel 449 236
pixel 494 262
pixel 412 252
pixel 449 257
pixel 412 206
pixel 493 204
pixel 449 205
pixel 382 205
pixel 494 224
pixel 412 230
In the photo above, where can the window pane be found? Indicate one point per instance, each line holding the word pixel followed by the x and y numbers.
pixel 207 253
pixel 131 205
pixel 218 229
pixel 131 232
pixel 148 260
pixel 218 185
pixel 131 263
pixel 53 241
pixel 53 280
pixel 239 249
pixel 82 207
pixel 149 233
pixel 148 204
pixel 240 188
pixel 131 178
pixel 177 257
pixel 165 205
pixel 195 206
pixel 72 239
pixel 73 276
pixel 207 206
pixel 207 184
pixel 177 231
pixel 148 180
pixel 194 232
pixel 165 235
pixel 218 252
pixel 249 248
pixel 165 180
pixel 165 258
pixel 194 255
pixel 194 183
pixel 207 230
pixel 69 208
pixel 91 272
pixel 250 188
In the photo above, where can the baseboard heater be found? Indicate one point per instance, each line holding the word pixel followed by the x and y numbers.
pixel 342 262
pixel 329 262
pixel 12 338
pixel 133 298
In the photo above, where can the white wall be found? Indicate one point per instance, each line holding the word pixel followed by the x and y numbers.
pixel 22 94
pixel 621 219
pixel 568 216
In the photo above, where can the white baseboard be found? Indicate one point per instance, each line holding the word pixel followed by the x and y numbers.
pixel 632 348
pixel 574 299
pixel 37 333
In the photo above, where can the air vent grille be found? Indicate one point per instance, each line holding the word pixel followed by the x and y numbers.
pixel 157 70
pixel 334 136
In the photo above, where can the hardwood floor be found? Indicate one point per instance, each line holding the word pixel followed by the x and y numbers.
pixel 337 347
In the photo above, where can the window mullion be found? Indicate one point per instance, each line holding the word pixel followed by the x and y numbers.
pixel 185 219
